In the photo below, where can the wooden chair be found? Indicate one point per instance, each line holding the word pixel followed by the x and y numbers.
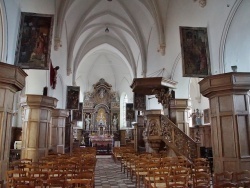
pixel 19 181
pixel 79 183
pixel 159 179
pixel 56 183
pixel 40 176
pixel 177 181
pixel 242 178
pixel 201 180
pixel 25 186
pixel 56 175
pixel 140 171
pixel 227 185
pixel 149 177
pixel 87 175
pixel 222 178
pixel 11 174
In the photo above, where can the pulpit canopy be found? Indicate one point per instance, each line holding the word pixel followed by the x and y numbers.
pixel 147 85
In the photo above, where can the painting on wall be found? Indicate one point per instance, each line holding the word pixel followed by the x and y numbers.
pixel 206 115
pixel 195 52
pixel 73 93
pixel 139 102
pixel 77 114
pixel 130 113
pixel 34 41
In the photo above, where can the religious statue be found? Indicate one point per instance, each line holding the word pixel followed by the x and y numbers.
pixel 87 122
pixel 101 93
pixel 115 122
pixel 53 75
pixel 196 117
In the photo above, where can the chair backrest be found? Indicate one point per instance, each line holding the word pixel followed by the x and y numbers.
pixel 227 185
pixel 159 177
pixel 223 177
pixel 56 183
pixel 79 183
pixel 201 179
pixel 242 178
pixel 177 181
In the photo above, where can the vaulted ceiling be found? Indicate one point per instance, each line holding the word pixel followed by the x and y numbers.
pixel 109 38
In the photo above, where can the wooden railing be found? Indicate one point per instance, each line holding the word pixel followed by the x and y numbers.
pixel 177 140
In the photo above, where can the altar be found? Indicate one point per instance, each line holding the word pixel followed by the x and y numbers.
pixel 101 140
pixel 102 143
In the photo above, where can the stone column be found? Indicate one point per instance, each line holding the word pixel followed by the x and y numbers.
pixel 57 131
pixel 12 79
pixel 179 113
pixel 229 98
pixel 37 110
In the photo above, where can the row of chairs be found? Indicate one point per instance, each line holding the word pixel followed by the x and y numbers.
pixel 232 179
pixel 54 171
pixel 143 166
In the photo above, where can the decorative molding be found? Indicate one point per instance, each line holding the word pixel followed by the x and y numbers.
pixel 57 43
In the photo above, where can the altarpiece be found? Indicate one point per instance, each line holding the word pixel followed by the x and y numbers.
pixel 101 110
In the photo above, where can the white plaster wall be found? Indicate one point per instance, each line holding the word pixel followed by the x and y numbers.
pixel 180 13
pixel 13 17
pixel 237 46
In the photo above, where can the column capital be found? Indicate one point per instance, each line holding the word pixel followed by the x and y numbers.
pixel 180 104
pixel 38 100
pixel 60 113
pixel 233 81
pixel 12 75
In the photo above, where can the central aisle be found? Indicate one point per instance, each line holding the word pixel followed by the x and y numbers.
pixel 108 174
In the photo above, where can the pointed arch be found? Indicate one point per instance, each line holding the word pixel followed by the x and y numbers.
pixel 3 32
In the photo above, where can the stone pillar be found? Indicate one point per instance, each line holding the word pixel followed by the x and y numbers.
pixel 12 79
pixel 179 110
pixel 229 98
pixel 57 131
pixel 37 110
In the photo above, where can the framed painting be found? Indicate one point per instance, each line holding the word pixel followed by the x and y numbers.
pixel 73 93
pixel 206 115
pixel 34 41
pixel 77 114
pixel 130 113
pixel 139 102
pixel 195 52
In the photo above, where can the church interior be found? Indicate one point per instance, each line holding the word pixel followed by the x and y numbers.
pixel 124 84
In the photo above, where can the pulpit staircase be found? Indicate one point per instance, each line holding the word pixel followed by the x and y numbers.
pixel 177 140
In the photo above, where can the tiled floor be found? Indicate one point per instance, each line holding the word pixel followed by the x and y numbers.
pixel 108 174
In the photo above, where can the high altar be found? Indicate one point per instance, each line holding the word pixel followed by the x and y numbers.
pixel 101 112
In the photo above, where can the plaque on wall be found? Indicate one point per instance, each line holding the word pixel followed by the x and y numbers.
pixel 73 93
pixel 139 102
pixel 77 114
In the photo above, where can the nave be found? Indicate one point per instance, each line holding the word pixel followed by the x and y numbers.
pixel 108 174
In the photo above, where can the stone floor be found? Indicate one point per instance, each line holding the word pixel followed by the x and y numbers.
pixel 108 174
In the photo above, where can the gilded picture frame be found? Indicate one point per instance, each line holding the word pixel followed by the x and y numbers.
pixel 195 52
pixel 73 93
pixel 34 41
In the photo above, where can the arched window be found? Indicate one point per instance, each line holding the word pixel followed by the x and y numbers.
pixel 123 102
pixel 124 110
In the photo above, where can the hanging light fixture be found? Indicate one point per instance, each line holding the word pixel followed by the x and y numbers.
pixel 107 30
